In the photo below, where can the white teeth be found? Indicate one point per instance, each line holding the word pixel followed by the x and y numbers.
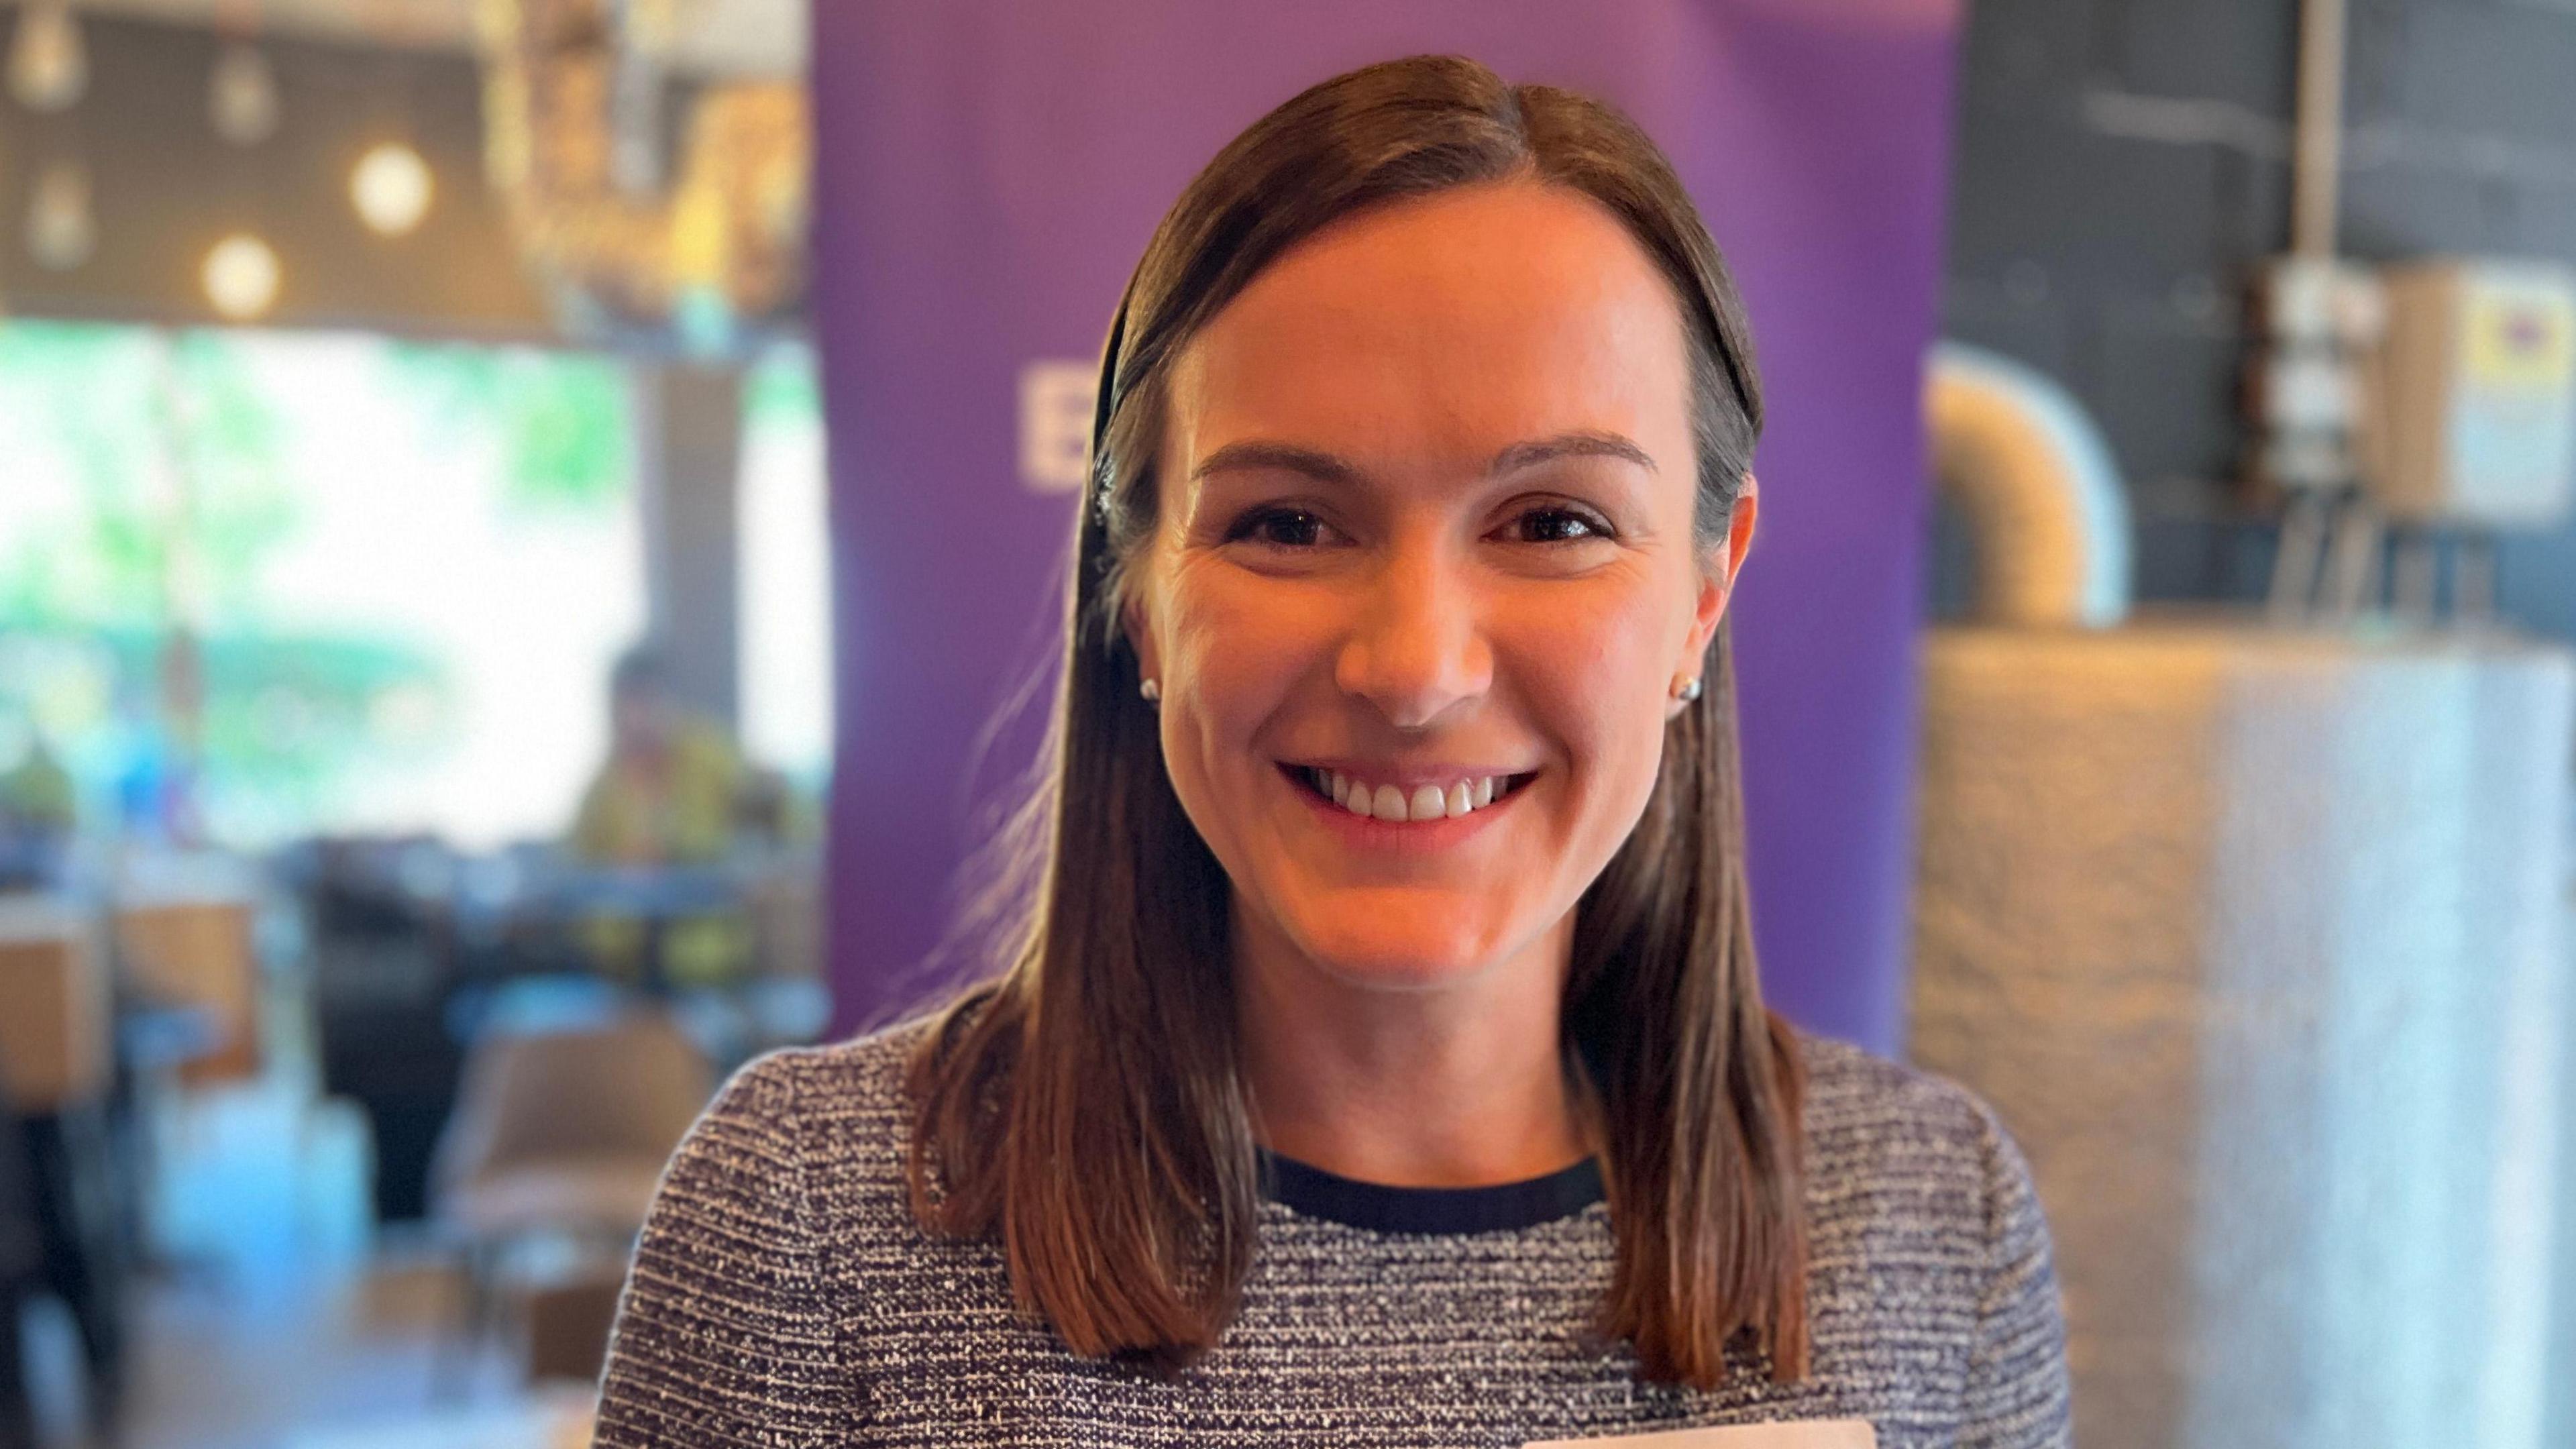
pixel 1423 802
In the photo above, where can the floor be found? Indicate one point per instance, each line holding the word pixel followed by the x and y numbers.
pixel 280 1319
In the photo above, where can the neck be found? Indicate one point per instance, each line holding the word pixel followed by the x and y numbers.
pixel 1458 1085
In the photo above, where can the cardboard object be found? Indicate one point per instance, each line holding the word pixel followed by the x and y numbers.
pixel 199 953
pixel 55 1036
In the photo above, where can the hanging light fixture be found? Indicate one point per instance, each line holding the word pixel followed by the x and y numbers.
pixel 391 187
pixel 725 238
pixel 241 276
pixel 241 95
pixel 48 61
pixel 61 232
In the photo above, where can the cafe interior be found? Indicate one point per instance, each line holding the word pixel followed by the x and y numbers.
pixel 414 692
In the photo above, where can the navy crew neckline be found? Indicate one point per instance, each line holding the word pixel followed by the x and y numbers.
pixel 1382 1208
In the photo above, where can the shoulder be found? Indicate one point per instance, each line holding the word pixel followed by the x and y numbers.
pixel 731 1326
pixel 817 1102
pixel 806 1147
pixel 1893 1151
pixel 1856 1091
pixel 791 1128
pixel 1925 1227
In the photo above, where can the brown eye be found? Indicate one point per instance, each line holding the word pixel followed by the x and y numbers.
pixel 1557 525
pixel 1280 528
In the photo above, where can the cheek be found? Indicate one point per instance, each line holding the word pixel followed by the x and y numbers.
pixel 1595 670
pixel 1234 650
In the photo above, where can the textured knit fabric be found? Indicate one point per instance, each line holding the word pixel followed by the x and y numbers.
pixel 782 1295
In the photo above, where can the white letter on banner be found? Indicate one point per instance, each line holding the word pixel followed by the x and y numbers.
pixel 1055 424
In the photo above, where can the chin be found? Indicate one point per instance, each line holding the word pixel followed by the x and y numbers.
pixel 1398 959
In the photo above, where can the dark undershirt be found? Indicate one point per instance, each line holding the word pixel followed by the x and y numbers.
pixel 1501 1207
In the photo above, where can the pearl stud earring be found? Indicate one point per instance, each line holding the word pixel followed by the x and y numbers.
pixel 1686 689
pixel 1152 690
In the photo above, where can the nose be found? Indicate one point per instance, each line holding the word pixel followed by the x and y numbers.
pixel 1417 646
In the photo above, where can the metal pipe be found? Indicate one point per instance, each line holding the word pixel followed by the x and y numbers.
pixel 2038 487
pixel 2317 164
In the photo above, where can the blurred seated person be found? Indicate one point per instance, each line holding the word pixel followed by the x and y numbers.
pixel 37 814
pixel 669 794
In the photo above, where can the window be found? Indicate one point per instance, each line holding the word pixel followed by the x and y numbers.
pixel 343 583
pixel 786 588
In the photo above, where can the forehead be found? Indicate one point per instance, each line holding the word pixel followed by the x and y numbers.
pixel 1442 329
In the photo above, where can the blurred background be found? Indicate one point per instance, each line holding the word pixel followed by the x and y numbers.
pixel 455 707
pixel 414 654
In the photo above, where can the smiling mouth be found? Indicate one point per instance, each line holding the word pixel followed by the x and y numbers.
pixel 1398 803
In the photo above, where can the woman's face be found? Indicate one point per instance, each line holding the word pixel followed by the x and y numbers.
pixel 1425 577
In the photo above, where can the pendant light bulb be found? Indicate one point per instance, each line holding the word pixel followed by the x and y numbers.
pixel 391 188
pixel 61 231
pixel 241 95
pixel 48 60
pixel 241 277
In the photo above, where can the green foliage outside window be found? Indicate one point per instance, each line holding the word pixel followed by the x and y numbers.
pixel 563 417
pixel 152 497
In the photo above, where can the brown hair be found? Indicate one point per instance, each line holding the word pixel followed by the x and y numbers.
pixel 1085 1104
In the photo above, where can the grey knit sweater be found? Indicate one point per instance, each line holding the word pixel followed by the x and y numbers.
pixel 783 1296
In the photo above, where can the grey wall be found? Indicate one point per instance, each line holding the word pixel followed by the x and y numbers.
pixel 2122 163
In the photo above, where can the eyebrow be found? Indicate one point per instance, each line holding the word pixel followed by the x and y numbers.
pixel 1255 455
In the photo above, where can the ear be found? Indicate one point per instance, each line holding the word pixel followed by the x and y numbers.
pixel 1739 528
pixel 1720 565
pixel 1140 635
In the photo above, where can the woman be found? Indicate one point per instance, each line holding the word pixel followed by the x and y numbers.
pixel 1382 1059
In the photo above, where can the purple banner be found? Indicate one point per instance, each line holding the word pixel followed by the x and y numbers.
pixel 989 172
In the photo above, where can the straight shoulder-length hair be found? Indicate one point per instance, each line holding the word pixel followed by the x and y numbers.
pixel 1085 1107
